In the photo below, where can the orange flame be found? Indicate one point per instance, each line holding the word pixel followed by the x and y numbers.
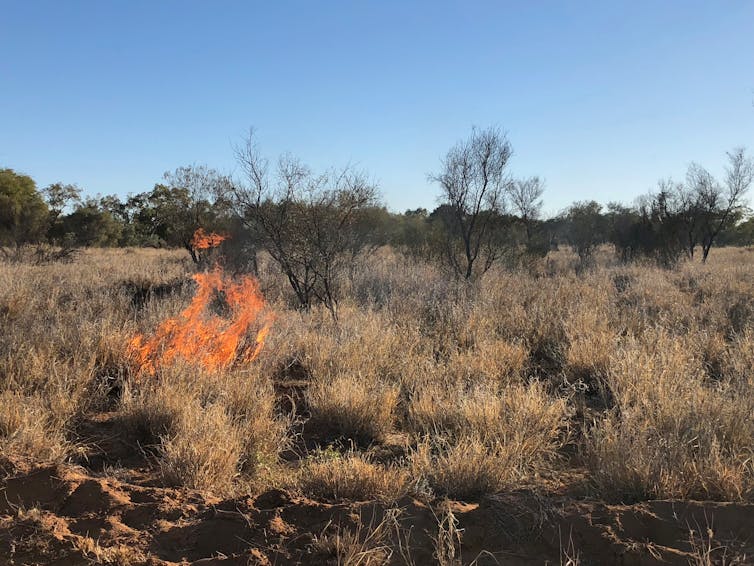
pixel 203 241
pixel 203 337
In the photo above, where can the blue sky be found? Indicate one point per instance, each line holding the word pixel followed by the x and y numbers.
pixel 600 98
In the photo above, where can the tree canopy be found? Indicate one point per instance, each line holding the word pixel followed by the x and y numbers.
pixel 23 211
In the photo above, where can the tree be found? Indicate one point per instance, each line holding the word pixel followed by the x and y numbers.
pixel 663 228
pixel 415 235
pixel 59 196
pixel 742 234
pixel 717 205
pixel 474 181
pixel 678 208
pixel 308 223
pixel 175 210
pixel 586 229
pixel 91 225
pixel 23 212
pixel 526 201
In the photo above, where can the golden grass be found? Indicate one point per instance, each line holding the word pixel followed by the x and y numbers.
pixel 204 452
pixel 352 408
pixel 352 477
pixel 676 432
pixel 640 376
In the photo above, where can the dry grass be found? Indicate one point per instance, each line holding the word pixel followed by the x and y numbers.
pixel 27 429
pixel 640 375
pixel 352 477
pixel 675 432
pixel 206 430
pixel 352 408
pixel 368 544
pixel 204 452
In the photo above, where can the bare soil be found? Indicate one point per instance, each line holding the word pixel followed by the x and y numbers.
pixel 71 515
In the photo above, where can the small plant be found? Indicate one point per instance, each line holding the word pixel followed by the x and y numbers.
pixel 352 477
pixel 569 554
pixel 364 545
pixel 448 538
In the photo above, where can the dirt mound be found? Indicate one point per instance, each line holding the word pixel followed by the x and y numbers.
pixel 57 515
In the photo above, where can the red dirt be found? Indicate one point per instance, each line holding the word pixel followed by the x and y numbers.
pixel 66 515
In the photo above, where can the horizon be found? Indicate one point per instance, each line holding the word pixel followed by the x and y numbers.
pixel 600 101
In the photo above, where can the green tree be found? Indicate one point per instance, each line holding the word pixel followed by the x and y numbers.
pixel 23 211
pixel 173 211
pixel 59 196
pixel 91 225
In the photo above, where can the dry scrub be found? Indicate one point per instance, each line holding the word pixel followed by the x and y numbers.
pixel 638 379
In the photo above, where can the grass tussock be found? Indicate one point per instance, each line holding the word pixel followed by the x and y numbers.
pixel 206 430
pixel 480 440
pixel 367 544
pixel 29 429
pixel 352 408
pixel 204 452
pixel 674 433
pixel 353 477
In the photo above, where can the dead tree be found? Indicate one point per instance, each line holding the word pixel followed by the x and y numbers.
pixel 526 201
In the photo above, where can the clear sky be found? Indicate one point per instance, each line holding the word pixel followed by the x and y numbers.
pixel 601 98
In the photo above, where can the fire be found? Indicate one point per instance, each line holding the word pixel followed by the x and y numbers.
pixel 203 241
pixel 199 335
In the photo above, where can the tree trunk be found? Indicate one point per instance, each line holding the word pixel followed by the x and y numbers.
pixel 192 251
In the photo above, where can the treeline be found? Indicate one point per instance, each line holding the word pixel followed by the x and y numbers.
pixel 310 222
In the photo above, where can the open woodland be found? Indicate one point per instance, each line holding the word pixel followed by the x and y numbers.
pixel 376 283
pixel 284 372
pixel 542 414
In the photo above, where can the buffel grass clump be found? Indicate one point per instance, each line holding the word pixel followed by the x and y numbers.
pixel 204 452
pixel 478 441
pixel 352 408
pixel 352 476
pixel 27 429
pixel 208 431
pixel 675 432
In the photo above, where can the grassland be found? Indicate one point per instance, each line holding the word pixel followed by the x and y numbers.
pixel 535 416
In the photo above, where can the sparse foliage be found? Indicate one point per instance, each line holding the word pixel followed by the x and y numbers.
pixel 526 201
pixel 474 180
pixel 307 222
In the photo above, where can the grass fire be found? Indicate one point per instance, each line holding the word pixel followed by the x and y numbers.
pixel 225 324
pixel 202 335
pixel 270 366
